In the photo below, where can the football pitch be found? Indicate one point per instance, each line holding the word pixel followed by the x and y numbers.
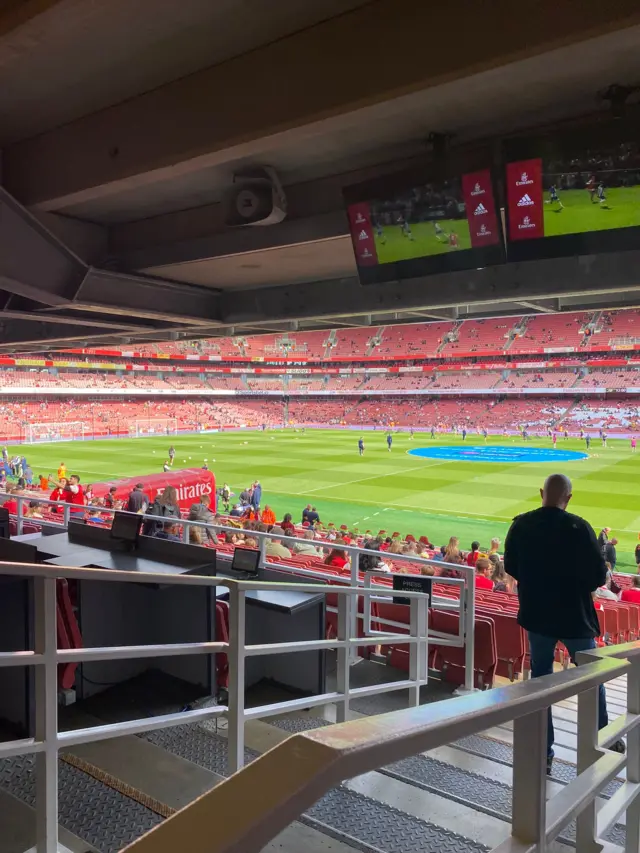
pixel 397 247
pixel 381 490
pixel 580 214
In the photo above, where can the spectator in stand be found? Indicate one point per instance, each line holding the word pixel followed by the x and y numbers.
pixel 502 582
pixel 201 511
pixel 573 563
pixel 268 516
pixel 256 495
pixel 610 554
pixel 74 495
pixel 138 500
pixel 483 570
pixel 312 516
pixel 495 546
pixel 452 551
pixel 11 504
pixel 34 510
pixel 472 556
pixel 274 547
pixel 169 530
pixel 288 526
pixel 110 497
pixel 165 505
pixel 304 546
pixel 632 595
pixel 58 494
pixel 603 537
pixel 336 558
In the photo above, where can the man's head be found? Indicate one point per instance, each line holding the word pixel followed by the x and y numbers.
pixel 139 486
pixel 308 506
pixel 556 491
pixel 614 541
pixel 308 534
pixel 475 546
pixel 277 531
pixel 205 499
pixel 483 566
pixel 171 528
pixel 113 490
pixel 74 480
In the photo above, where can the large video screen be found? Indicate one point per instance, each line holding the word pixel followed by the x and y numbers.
pixel 429 227
pixel 581 202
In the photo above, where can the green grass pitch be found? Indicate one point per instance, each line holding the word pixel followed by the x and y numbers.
pixel 580 214
pixel 397 247
pixel 381 490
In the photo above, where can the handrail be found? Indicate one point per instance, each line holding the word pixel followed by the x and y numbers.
pixel 306 766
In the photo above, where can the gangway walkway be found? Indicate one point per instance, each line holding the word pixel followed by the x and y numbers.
pixel 454 798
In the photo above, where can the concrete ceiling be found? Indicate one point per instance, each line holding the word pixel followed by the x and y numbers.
pixel 81 56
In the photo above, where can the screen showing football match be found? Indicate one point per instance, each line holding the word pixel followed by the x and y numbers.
pixel 589 192
pixel 436 218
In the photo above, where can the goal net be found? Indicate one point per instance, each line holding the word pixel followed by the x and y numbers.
pixel 155 426
pixel 63 431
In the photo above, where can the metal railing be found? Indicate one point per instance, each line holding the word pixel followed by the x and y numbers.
pixel 465 606
pixel 46 656
pixel 306 766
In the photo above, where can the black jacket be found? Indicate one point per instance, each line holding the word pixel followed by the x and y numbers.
pixel 168 511
pixel 555 558
pixel 610 554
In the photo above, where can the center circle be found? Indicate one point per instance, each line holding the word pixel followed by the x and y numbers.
pixel 484 453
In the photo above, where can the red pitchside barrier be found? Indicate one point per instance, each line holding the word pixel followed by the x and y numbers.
pixel 191 484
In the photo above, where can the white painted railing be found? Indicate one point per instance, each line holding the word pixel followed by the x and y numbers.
pixel 45 658
pixel 282 784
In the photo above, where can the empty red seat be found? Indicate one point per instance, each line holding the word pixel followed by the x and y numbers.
pixel 451 659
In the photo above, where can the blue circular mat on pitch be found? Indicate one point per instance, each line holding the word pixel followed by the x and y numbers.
pixel 484 453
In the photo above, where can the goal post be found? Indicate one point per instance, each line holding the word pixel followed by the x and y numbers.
pixel 54 431
pixel 154 426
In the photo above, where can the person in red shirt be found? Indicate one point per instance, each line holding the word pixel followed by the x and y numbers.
pixel 631 595
pixel 336 558
pixel 483 567
pixel 11 505
pixel 287 525
pixel 474 553
pixel 74 495
pixel 58 494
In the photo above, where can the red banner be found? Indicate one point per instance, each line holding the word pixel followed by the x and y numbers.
pixel 364 243
pixel 524 198
pixel 190 485
pixel 481 209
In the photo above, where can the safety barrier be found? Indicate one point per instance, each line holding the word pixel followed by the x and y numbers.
pixel 465 606
pixel 278 787
pixel 46 656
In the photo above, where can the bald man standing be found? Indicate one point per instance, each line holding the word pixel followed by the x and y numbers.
pixel 557 562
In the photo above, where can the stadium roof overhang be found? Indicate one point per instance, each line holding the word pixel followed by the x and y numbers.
pixel 111 221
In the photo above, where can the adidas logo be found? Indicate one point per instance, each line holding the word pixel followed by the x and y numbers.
pixel 526 223
pixel 524 180
pixel 360 219
pixel 526 201
pixel 480 210
pixel 363 235
pixel 477 190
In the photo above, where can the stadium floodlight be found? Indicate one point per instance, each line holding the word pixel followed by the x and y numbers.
pixel 54 431
pixel 154 426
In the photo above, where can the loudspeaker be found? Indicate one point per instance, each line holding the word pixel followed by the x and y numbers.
pixel 256 198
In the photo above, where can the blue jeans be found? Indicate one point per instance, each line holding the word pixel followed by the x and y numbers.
pixel 542 650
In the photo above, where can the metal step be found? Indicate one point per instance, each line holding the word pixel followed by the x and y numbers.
pixel 343 814
pixel 486 795
pixel 105 818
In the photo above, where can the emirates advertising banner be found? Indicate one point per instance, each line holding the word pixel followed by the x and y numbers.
pixel 525 199
pixel 362 234
pixel 481 209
